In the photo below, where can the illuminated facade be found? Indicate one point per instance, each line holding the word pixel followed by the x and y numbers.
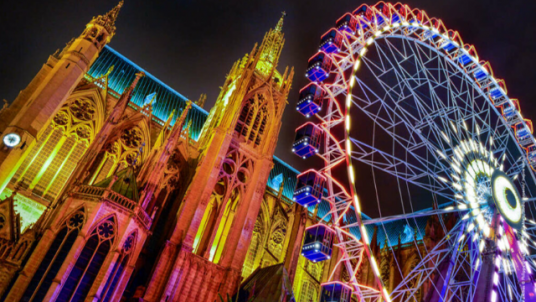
pixel 115 185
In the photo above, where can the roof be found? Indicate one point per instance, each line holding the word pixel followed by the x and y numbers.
pixel 280 171
pixel 269 284
pixel 167 98
pixel 125 184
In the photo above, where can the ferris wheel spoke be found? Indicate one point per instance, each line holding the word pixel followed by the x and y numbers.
pixel 412 141
pixel 418 214
pixel 451 134
pixel 516 168
pixel 508 289
pixel 444 255
pixel 400 168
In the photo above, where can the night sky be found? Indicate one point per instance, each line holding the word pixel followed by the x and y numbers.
pixel 191 45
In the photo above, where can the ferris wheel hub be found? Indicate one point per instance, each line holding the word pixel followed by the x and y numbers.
pixel 507 199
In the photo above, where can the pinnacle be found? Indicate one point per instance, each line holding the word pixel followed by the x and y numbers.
pixel 115 11
pixel 279 26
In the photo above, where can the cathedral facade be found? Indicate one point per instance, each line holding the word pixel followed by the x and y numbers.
pixel 115 187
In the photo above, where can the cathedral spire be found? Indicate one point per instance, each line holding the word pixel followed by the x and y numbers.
pixel 271 47
pixel 112 15
pixel 279 26
pixel 108 20
pixel 157 169
pixel 123 101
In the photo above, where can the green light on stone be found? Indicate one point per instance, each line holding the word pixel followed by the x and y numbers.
pixel 28 209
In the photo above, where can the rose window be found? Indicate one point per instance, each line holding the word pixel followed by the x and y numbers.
pixel 83 132
pixel 128 243
pixel 83 110
pixel 76 220
pixel 106 230
pixel 62 118
pixel 131 138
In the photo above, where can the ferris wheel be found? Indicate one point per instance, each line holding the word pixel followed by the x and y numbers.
pixel 405 114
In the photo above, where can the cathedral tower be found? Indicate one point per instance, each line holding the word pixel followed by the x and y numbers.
pixel 27 117
pixel 206 250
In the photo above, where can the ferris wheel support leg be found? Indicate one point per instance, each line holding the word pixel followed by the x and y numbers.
pixel 443 279
pixel 485 278
pixel 484 285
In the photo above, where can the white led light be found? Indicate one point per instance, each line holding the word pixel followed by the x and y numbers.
pixel 11 139
pixel 352 82
pixel 445 137
pixel 356 66
pixel 374 266
pixel 349 100
pixel 364 233
pixel 356 204
pixel 443 179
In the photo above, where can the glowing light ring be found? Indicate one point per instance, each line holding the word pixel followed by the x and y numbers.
pixel 501 184
pixel 11 139
pixel 345 61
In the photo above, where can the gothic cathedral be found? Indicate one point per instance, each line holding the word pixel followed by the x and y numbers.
pixel 115 187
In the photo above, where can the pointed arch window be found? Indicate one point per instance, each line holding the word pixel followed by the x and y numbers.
pixel 118 269
pixel 254 247
pixel 121 151
pixel 253 119
pixel 19 252
pixel 308 292
pixel 52 160
pixel 277 239
pixel 89 262
pixel 54 258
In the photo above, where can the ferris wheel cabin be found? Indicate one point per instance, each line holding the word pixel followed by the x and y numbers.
pixel 311 98
pixel 384 11
pixel 498 94
pixel 309 188
pixel 347 24
pixel 510 110
pixel 331 41
pixel 467 57
pixel 318 243
pixel 401 10
pixel 364 12
pixel 319 67
pixel 524 132
pixel 307 141
pixel 335 292
pixel 531 155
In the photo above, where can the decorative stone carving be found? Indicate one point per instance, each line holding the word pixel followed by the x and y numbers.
pixel 106 230
pixel 83 132
pixel 62 118
pixel 76 220
pixel 132 138
pixel 83 109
